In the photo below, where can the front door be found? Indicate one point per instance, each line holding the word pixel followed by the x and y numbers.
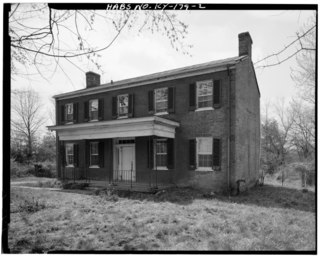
pixel 126 169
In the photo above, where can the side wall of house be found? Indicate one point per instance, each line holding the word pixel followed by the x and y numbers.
pixel 246 125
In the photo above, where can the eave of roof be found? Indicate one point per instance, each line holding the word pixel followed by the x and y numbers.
pixel 212 66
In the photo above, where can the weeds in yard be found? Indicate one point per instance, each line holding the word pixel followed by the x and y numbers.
pixel 31 206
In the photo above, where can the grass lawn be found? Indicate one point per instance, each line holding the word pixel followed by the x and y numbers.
pixel 264 218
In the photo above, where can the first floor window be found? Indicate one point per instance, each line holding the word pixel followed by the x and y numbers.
pixel 123 105
pixel 204 152
pixel 94 153
pixel 161 100
pixel 68 112
pixel 161 153
pixel 204 93
pixel 69 154
pixel 93 110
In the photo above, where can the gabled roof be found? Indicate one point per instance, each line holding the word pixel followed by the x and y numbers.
pixel 207 67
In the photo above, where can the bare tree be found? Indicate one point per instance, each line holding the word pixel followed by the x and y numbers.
pixel 302 45
pixel 41 34
pixel 26 117
pixel 303 129
pixel 305 74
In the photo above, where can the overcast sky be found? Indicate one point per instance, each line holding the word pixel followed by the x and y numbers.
pixel 213 34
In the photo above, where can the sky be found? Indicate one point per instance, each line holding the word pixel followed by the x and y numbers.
pixel 213 36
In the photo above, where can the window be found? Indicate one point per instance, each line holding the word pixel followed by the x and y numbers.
pixel 161 153
pixel 93 110
pixel 204 94
pixel 204 153
pixel 68 112
pixel 161 100
pixel 69 155
pixel 123 105
pixel 94 154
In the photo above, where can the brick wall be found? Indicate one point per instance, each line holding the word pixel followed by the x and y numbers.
pixel 246 125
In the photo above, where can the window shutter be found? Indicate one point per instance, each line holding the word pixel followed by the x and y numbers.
pixel 131 105
pixel 101 154
pixel 75 112
pixel 170 153
pixel 217 94
pixel 192 154
pixel 171 99
pixel 100 109
pixel 76 155
pixel 114 107
pixel 151 102
pixel 62 114
pixel 87 149
pixel 150 152
pixel 62 155
pixel 86 111
pixel 192 97
pixel 216 154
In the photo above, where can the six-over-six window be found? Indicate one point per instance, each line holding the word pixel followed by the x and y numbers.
pixel 93 110
pixel 94 154
pixel 161 100
pixel 69 154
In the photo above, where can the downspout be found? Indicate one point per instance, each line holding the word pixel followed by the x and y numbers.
pixel 229 131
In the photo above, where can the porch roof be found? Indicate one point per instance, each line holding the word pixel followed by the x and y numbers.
pixel 128 127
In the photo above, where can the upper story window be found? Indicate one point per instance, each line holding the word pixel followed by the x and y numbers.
pixel 68 112
pixel 123 105
pixel 93 109
pixel 70 154
pixel 204 94
pixel 161 100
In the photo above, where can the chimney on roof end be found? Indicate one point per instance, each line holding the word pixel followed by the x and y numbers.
pixel 92 79
pixel 245 43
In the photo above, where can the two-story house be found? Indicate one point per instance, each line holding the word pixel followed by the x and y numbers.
pixel 194 126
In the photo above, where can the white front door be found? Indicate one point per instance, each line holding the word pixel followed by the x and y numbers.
pixel 126 169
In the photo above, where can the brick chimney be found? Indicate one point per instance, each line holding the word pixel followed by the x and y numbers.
pixel 245 43
pixel 93 79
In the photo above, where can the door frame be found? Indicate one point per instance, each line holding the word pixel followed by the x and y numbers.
pixel 116 158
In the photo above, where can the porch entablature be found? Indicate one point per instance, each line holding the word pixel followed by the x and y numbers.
pixel 133 127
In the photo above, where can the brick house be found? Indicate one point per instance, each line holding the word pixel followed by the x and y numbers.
pixel 194 126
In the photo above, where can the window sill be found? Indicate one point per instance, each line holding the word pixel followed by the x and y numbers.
pixel 94 166
pixel 94 120
pixel 68 123
pixel 204 169
pixel 122 117
pixel 160 168
pixel 204 109
pixel 161 113
pixel 70 166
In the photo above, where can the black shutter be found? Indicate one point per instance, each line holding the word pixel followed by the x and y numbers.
pixel 170 153
pixel 171 99
pixel 62 155
pixel 216 154
pixel 86 111
pixel 217 94
pixel 87 151
pixel 151 102
pixel 192 154
pixel 75 112
pixel 76 155
pixel 101 154
pixel 114 107
pixel 150 152
pixel 100 109
pixel 62 114
pixel 131 105
pixel 192 97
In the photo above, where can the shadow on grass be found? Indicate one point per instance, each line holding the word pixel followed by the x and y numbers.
pixel 264 196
